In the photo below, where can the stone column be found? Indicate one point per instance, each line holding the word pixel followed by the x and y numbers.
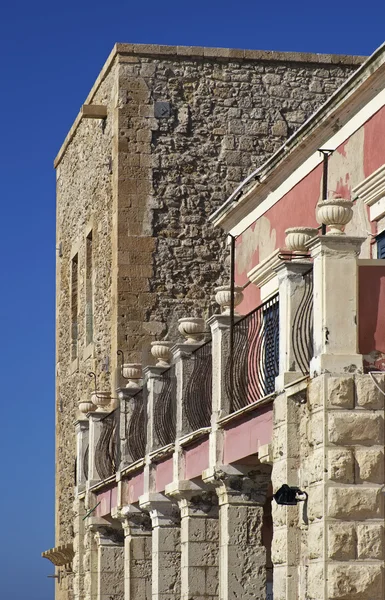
pixel 90 564
pixel 137 553
pixel 128 410
pixel 79 549
pixel 242 555
pixel 110 564
pixel 335 304
pixel 292 287
pixel 82 453
pixel 166 564
pixel 220 332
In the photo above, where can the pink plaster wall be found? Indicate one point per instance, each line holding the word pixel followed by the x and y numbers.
pixel 245 437
pixel 163 474
pixel 133 488
pixel 371 324
pixel 196 459
pixel 108 500
pixel 354 160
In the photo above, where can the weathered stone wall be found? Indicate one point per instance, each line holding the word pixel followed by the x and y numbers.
pixel 332 548
pixel 83 203
pixel 146 186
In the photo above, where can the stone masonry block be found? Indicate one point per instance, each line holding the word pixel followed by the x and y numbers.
pixel 315 540
pixel 341 465
pixel 370 541
pixel 370 465
pixel 315 502
pixel 341 392
pixel 367 393
pixel 355 428
pixel 349 582
pixel 313 468
pixel 315 576
pixel 279 546
pixel 316 429
pixel 355 502
pixel 315 392
pixel 341 541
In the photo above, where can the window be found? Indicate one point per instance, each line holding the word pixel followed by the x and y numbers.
pixel 381 245
pixel 89 291
pixel 74 306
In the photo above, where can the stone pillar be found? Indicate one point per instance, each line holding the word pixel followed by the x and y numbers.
pixel 343 472
pixel 242 555
pixel 110 564
pixel 82 453
pixel 90 564
pixel 220 332
pixel 292 287
pixel 79 549
pixel 166 564
pixel 153 382
pixel 335 304
pixel 137 552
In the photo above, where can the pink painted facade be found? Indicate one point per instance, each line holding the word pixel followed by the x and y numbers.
pixel 108 500
pixel 244 438
pixel 372 315
pixel 354 160
pixel 163 474
pixel 196 459
pixel 133 488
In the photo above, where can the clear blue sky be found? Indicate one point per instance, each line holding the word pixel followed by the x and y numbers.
pixel 51 53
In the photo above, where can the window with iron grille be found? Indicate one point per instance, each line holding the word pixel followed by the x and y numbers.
pixel 381 245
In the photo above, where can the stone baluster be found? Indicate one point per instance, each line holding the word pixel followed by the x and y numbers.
pixel 166 564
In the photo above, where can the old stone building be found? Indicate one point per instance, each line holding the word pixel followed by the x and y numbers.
pixel 164 137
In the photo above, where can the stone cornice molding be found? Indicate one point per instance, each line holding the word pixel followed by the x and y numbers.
pixel 265 270
pixel 372 192
pixel 335 245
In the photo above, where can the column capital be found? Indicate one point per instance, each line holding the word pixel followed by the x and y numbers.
pixel 163 511
pixel 193 499
pixel 134 521
pixel 335 245
pixel 105 533
pixel 240 486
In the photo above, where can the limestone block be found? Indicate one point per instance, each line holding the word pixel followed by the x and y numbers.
pixel 211 582
pixel 212 530
pixel 354 502
pixel 279 583
pixel 315 540
pixel 370 464
pixel 315 392
pixel 341 541
pixel 367 393
pixel 315 502
pixel 315 577
pixel 279 546
pixel 316 429
pixel 341 465
pixel 350 582
pixel 355 428
pixel 313 467
pixel 370 541
pixel 341 392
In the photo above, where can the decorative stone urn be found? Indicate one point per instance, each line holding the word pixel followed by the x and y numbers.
pixel 86 406
pixel 296 238
pixel 133 373
pixel 101 399
pixel 223 297
pixel 336 213
pixel 192 328
pixel 162 352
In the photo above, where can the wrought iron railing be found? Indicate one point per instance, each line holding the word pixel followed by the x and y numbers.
pixel 198 394
pixel 165 409
pixel 253 362
pixel 106 451
pixel 302 331
pixel 135 427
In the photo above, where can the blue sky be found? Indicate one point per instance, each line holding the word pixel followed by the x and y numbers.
pixel 51 54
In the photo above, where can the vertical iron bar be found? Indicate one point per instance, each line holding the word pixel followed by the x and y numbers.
pixel 232 278
pixel 325 184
